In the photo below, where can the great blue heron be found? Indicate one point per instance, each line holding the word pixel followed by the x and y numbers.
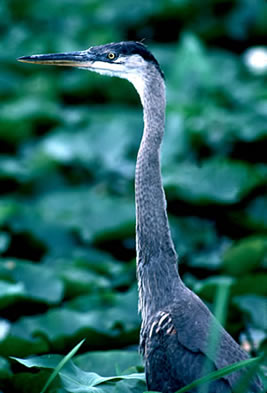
pixel 176 325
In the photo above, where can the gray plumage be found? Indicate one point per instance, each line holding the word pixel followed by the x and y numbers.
pixel 176 325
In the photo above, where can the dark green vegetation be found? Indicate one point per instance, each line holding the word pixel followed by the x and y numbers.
pixel 68 143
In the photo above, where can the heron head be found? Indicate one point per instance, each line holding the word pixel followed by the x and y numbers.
pixel 129 60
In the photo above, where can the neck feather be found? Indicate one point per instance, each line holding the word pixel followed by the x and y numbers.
pixel 156 257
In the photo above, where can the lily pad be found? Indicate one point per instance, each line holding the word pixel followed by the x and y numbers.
pixel 215 181
pixel 254 216
pixel 109 363
pixel 10 293
pixel 94 214
pixel 75 379
pixel 102 318
pixel 34 281
pixel 4 241
pixel 245 255
pixel 78 280
pixel 255 307
pixel 5 370
pixel 95 131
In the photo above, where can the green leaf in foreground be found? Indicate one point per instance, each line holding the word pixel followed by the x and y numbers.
pixel 60 365
pixel 76 380
pixel 109 362
pixel 73 378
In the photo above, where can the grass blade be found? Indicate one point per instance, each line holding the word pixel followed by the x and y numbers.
pixel 219 373
pixel 220 307
pixel 61 364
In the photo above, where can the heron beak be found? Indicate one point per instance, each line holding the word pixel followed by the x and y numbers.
pixel 72 59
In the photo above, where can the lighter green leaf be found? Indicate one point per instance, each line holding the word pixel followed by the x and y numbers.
pixel 245 256
pixel 76 380
pixel 73 378
pixel 10 292
pixel 39 283
pixel 5 370
pixel 44 361
pixel 256 307
pixel 108 363
pixel 96 215
pixel 217 181
pixel 61 365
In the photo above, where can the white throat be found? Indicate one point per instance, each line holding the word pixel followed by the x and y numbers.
pixel 138 83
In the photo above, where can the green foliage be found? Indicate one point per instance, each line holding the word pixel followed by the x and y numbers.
pixel 245 256
pixel 254 306
pixel 74 379
pixel 68 145
pixel 32 282
pixel 219 181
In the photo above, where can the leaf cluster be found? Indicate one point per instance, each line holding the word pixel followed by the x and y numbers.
pixel 68 145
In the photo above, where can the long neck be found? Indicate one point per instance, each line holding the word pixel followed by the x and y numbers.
pixel 156 258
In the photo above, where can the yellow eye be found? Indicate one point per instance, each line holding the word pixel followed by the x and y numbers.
pixel 111 56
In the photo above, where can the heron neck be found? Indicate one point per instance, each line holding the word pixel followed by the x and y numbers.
pixel 156 257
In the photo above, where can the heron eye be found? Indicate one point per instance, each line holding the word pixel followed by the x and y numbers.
pixel 111 55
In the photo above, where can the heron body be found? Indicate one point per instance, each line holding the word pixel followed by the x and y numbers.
pixel 176 325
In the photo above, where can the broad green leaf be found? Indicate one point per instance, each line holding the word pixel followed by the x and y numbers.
pixel 12 168
pixel 61 364
pixel 38 282
pixel 253 284
pixel 245 255
pixel 220 128
pixel 93 213
pixel 68 144
pixel 28 382
pixel 8 208
pixel 85 146
pixel 101 322
pixel 254 215
pixel 207 288
pixel 44 361
pixel 53 237
pixel 256 307
pixel 78 281
pixel 215 181
pixel 100 268
pixel 9 292
pixel 250 283
pixel 4 241
pixel 76 380
pixel 129 386
pixel 19 117
pixel 191 234
pixel 73 378
pixel 5 370
pixel 18 342
pixel 108 363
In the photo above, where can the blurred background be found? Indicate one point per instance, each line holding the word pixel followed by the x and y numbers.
pixel 68 145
